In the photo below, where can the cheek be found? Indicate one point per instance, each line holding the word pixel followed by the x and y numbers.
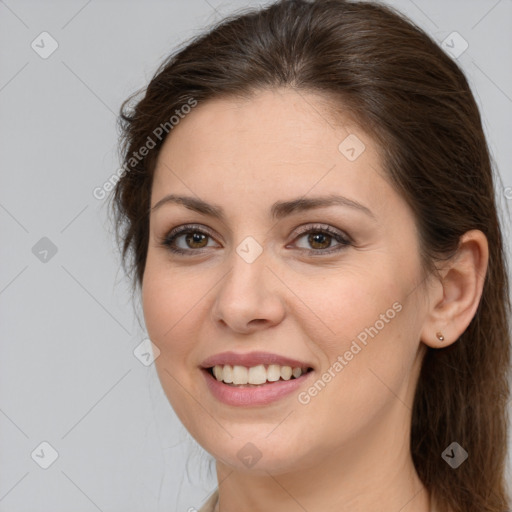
pixel 367 331
pixel 168 302
pixel 340 308
pixel 170 312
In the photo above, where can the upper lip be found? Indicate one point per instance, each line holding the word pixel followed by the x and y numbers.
pixel 252 359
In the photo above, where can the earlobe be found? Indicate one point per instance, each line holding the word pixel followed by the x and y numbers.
pixel 455 298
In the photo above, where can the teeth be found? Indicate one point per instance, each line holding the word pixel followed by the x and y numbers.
pixel 286 372
pixel 297 372
pixel 273 372
pixel 226 374
pixel 217 372
pixel 255 375
pixel 240 374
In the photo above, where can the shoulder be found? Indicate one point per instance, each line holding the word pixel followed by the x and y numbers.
pixel 210 503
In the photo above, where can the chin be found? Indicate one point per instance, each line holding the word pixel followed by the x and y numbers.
pixel 262 456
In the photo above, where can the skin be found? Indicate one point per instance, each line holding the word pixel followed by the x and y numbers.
pixel 348 448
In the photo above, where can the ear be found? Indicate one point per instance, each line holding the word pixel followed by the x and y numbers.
pixel 454 297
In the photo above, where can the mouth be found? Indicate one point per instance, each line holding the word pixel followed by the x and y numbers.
pixel 238 376
pixel 254 378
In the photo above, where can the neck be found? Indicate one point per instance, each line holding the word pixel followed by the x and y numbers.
pixel 375 483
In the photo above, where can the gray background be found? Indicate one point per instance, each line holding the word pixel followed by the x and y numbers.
pixel 68 375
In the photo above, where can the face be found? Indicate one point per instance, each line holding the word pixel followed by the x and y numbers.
pixel 335 287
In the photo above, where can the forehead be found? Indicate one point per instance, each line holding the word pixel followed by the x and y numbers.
pixel 276 118
pixel 271 144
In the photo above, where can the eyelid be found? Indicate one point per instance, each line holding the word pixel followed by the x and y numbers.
pixel 183 228
pixel 168 238
pixel 339 236
pixel 308 227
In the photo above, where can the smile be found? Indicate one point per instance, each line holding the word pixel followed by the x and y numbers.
pixel 254 386
pixel 255 375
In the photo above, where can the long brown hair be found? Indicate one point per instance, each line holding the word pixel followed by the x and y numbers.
pixel 414 99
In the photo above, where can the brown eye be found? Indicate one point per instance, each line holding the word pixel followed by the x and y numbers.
pixel 319 240
pixel 187 240
pixel 196 239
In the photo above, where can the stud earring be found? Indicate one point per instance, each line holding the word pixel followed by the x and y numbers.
pixel 440 336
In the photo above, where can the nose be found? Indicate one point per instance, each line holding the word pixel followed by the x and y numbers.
pixel 249 297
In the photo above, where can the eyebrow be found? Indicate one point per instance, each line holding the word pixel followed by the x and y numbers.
pixel 278 210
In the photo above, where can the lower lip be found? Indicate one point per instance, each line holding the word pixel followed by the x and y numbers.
pixel 245 396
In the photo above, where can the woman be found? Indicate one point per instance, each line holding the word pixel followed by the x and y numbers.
pixel 308 205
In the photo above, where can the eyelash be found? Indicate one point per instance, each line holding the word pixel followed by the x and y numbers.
pixel 344 241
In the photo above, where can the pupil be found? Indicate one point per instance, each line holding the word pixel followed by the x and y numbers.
pixel 196 238
pixel 319 238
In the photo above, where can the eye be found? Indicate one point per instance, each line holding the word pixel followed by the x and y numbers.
pixel 194 239
pixel 319 238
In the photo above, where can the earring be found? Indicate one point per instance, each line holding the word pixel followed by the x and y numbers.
pixel 440 336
